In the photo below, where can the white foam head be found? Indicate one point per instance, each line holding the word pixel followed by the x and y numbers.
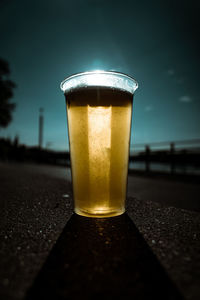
pixel 100 78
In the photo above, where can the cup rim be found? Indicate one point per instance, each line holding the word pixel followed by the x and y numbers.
pixel 103 72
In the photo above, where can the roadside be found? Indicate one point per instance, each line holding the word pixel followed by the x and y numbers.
pixel 160 189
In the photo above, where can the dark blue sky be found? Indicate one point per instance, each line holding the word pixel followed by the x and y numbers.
pixel 156 42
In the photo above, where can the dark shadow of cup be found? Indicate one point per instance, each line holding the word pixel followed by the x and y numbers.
pixel 102 259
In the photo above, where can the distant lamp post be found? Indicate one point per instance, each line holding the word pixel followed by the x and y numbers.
pixel 41 125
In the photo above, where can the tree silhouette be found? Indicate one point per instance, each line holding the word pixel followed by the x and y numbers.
pixel 6 92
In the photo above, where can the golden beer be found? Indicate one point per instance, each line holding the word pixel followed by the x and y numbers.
pixel 99 122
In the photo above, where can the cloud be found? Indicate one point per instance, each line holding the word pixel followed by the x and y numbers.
pixel 148 108
pixel 170 72
pixel 185 99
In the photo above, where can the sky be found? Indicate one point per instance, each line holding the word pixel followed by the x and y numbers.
pixel 156 42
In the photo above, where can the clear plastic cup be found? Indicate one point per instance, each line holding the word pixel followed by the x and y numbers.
pixel 99 111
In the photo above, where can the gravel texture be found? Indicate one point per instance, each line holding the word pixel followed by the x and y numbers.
pixel 35 206
pixel 174 236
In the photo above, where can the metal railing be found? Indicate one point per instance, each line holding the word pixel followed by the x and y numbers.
pixel 175 154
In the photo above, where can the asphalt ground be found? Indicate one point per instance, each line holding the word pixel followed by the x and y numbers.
pixel 154 247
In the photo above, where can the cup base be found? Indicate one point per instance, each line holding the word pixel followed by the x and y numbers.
pixel 97 214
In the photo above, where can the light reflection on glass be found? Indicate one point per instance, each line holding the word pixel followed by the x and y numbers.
pixel 99 142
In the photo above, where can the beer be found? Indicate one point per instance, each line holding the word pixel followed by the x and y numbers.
pixel 99 121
